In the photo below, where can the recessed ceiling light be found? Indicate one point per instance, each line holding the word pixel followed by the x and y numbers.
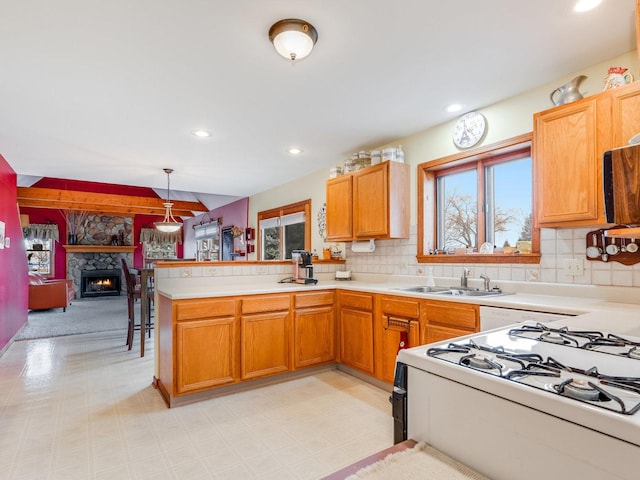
pixel 295 151
pixel 454 107
pixel 201 133
pixel 586 5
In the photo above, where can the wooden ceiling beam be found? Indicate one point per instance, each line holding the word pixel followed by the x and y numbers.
pixel 103 202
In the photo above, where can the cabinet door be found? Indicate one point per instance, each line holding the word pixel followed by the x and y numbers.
pixel 625 114
pixel 205 351
pixel 371 202
pixel 264 344
pixel 313 336
pixel 399 316
pixel 390 341
pixel 356 339
pixel 568 166
pixel 339 209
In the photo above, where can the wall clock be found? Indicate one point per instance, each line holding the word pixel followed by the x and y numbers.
pixel 469 130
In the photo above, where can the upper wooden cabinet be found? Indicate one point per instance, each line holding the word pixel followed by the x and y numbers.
pixel 569 141
pixel 370 203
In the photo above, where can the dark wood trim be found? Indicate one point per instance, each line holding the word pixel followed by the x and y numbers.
pixel 100 248
pixel 515 258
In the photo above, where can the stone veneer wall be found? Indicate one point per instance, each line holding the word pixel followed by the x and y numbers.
pixel 78 261
pixel 99 229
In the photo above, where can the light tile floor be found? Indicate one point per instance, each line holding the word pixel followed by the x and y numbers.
pixel 82 407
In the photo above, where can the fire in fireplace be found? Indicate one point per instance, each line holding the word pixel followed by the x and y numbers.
pixel 100 283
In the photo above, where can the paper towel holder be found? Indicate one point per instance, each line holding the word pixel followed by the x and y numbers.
pixel 363 246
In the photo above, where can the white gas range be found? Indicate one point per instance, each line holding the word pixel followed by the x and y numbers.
pixel 528 402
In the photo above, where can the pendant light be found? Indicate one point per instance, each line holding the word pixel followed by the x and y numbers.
pixel 293 38
pixel 168 224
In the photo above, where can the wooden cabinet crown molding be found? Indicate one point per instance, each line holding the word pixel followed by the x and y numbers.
pixel 103 202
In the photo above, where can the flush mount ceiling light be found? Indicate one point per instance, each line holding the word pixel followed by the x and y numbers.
pixel 293 38
pixel 295 151
pixel 168 224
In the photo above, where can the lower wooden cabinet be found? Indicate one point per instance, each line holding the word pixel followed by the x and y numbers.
pixel 446 320
pixel 206 345
pixel 399 319
pixel 313 329
pixel 209 343
pixel 356 331
pixel 205 354
pixel 264 345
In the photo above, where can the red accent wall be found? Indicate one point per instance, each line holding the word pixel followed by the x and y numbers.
pixel 95 187
pixel 13 263
pixel 47 215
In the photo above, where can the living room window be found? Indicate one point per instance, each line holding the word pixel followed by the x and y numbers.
pixel 284 229
pixel 480 201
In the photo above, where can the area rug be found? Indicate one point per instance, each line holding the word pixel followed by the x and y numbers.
pixel 421 462
pixel 84 315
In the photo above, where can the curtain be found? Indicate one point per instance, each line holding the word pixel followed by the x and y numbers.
pixel 156 236
pixel 41 231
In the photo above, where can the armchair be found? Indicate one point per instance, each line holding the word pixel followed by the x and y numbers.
pixel 46 294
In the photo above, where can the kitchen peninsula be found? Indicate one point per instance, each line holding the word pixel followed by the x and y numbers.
pixel 217 334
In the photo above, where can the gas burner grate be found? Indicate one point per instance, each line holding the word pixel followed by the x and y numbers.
pixel 614 393
pixel 587 340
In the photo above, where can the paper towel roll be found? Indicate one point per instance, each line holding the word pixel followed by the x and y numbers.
pixel 364 246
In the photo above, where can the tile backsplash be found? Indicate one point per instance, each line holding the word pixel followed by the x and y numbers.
pixel 398 257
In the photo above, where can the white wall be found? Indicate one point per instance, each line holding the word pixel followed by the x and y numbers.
pixel 506 119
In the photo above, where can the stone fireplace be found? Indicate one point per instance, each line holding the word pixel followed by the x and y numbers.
pixel 94 258
pixel 95 262
pixel 100 283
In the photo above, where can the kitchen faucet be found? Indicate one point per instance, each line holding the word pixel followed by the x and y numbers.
pixel 486 281
pixel 464 278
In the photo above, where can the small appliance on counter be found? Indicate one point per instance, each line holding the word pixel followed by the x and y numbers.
pixel 302 267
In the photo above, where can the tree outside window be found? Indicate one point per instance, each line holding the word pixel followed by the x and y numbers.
pixel 479 196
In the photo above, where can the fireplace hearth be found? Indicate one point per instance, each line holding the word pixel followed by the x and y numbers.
pixel 100 283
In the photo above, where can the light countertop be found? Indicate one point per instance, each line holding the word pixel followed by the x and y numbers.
pixel 539 297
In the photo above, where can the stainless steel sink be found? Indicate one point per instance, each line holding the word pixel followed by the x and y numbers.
pixel 473 293
pixel 425 289
pixel 453 291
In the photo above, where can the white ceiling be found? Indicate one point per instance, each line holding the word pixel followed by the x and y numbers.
pixel 109 91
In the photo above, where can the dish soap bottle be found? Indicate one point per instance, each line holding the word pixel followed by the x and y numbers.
pixel 431 282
